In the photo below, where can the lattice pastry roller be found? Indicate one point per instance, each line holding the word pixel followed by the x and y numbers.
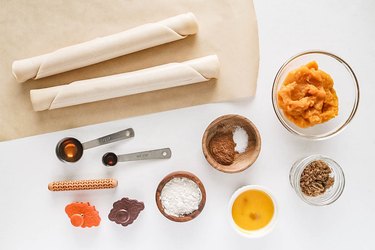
pixel 71 185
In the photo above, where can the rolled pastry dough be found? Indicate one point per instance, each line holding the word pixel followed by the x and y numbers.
pixel 105 48
pixel 155 78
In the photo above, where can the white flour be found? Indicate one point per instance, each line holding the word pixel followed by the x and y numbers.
pixel 241 138
pixel 180 196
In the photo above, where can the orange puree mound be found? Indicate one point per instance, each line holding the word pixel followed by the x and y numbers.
pixel 307 96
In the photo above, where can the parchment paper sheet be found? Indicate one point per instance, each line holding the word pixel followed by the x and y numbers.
pixel 227 28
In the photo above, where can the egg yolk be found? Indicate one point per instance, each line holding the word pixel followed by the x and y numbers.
pixel 253 210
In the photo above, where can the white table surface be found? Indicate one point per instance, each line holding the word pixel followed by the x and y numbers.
pixel 31 217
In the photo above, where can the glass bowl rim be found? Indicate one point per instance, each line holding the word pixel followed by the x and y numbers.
pixel 302 163
pixel 278 112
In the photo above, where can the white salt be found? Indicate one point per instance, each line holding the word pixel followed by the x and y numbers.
pixel 180 196
pixel 241 138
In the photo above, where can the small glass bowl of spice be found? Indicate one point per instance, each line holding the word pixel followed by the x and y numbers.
pixel 317 180
pixel 180 196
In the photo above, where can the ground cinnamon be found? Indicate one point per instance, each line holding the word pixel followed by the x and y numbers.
pixel 222 147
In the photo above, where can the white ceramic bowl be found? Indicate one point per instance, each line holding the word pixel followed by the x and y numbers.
pixel 253 233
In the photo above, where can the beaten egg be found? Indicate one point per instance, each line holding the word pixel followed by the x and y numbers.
pixel 253 210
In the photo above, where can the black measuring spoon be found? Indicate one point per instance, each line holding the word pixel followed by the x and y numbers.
pixel 110 159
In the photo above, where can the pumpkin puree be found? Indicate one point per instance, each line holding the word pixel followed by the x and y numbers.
pixel 307 96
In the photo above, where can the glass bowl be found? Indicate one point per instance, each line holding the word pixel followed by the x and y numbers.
pixel 331 194
pixel 345 84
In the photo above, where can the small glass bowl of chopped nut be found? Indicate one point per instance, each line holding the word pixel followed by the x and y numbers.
pixel 317 180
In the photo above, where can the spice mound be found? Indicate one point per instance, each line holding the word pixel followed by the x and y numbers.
pixel 316 178
pixel 307 96
pixel 180 196
pixel 224 146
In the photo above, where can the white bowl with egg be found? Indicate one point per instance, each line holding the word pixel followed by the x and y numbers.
pixel 257 232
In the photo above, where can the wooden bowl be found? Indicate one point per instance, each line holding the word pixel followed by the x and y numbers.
pixel 186 175
pixel 225 124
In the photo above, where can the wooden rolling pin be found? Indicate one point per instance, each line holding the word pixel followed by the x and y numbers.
pixel 72 185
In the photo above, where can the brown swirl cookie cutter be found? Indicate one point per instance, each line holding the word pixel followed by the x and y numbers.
pixel 72 185
pixel 125 211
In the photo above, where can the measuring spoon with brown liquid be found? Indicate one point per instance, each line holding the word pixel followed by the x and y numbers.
pixel 70 149
pixel 110 159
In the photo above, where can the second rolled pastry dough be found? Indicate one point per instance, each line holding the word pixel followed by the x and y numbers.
pixel 150 79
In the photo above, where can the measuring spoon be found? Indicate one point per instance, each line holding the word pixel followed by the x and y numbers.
pixel 110 159
pixel 70 149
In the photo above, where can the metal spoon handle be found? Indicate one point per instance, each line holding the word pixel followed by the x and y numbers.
pixel 121 135
pixel 163 153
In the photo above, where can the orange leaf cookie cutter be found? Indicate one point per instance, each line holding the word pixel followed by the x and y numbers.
pixel 82 214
